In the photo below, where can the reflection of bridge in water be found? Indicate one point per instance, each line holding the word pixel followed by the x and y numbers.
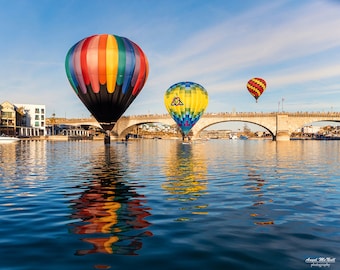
pixel 279 125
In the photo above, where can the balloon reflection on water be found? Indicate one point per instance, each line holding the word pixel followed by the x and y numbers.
pixel 255 186
pixel 259 186
pixel 186 173
pixel 112 213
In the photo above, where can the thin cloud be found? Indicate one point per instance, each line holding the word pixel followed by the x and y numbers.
pixel 292 44
pixel 282 50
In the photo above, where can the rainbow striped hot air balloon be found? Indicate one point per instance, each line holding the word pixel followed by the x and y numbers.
pixel 256 87
pixel 186 102
pixel 107 72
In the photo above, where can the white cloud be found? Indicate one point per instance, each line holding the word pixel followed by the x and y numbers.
pixel 292 44
pixel 281 48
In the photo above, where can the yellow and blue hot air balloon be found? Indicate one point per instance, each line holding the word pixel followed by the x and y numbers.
pixel 186 103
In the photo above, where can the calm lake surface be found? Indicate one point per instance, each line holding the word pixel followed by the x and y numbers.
pixel 161 204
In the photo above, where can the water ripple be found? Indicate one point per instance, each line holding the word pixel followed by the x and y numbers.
pixel 162 204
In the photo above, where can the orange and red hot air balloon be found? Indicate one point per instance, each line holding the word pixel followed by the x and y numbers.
pixel 256 87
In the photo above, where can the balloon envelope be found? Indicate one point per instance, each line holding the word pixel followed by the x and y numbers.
pixel 186 102
pixel 256 87
pixel 107 72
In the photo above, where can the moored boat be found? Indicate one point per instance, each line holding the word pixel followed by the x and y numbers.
pixel 8 139
pixel 243 137
pixel 233 137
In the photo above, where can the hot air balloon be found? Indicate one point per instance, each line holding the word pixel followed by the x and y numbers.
pixel 186 102
pixel 256 87
pixel 107 72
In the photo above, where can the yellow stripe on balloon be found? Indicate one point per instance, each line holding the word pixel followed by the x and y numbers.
pixel 111 63
pixel 260 83
pixel 254 89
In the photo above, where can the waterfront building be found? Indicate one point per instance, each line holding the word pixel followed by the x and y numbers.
pixel 9 118
pixel 311 129
pixel 24 120
pixel 34 120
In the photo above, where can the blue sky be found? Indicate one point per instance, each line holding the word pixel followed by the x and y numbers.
pixel 293 45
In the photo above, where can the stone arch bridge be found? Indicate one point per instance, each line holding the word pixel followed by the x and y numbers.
pixel 280 125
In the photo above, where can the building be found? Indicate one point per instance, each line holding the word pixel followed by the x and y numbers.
pixel 24 120
pixel 310 129
pixel 9 117
pixel 34 119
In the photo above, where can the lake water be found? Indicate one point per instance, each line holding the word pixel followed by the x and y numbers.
pixel 161 204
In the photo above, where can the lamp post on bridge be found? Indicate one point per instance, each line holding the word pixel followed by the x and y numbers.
pixel 278 106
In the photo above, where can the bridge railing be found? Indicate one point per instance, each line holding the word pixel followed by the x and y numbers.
pixel 244 114
pixel 209 115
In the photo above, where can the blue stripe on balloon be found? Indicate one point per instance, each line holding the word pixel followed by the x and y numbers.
pixel 69 69
pixel 130 61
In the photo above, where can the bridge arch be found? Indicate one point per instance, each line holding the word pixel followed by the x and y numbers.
pixel 242 121
pixel 125 124
pixel 267 121
pixel 303 122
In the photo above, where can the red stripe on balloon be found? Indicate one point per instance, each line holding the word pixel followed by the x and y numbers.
pixel 92 63
pixel 261 80
pixel 256 85
pixel 141 76
pixel 137 64
pixel 77 66
pixel 83 61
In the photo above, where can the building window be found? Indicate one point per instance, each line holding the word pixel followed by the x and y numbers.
pixel 42 111
pixel 7 114
pixel 42 117
pixel 42 124
pixel 37 110
pixel 7 122
pixel 36 117
pixel 36 123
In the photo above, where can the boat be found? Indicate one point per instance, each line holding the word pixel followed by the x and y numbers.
pixel 7 139
pixel 233 137
pixel 243 137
